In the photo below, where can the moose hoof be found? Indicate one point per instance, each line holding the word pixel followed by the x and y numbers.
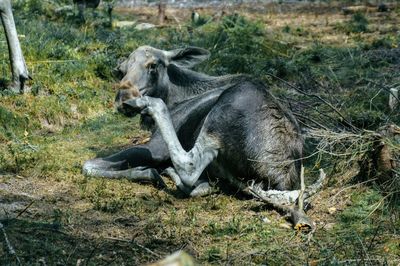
pixel 201 190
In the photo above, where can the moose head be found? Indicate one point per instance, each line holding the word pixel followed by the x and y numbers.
pixel 151 72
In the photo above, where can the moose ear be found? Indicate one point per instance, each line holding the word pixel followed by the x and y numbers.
pixel 122 68
pixel 187 57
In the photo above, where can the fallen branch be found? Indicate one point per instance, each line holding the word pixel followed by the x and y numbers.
pixel 344 119
pixel 298 218
pixel 302 189
pixel 25 209
pixel 285 201
pixel 10 248
pixel 289 197
pixel 314 188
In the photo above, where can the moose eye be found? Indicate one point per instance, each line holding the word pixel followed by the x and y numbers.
pixel 152 66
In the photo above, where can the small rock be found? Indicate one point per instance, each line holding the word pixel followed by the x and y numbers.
pixel 74 111
pixel 122 24
pixel 265 220
pixel 329 226
pixel 285 225
pixel 178 258
pixel 144 26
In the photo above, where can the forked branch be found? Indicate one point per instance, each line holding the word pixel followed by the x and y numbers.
pixel 285 201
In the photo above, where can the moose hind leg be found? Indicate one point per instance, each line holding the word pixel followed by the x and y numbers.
pixel 137 164
pixel 189 165
pixel 143 155
pixel 137 174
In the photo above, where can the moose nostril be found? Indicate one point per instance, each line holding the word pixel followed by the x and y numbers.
pixel 126 87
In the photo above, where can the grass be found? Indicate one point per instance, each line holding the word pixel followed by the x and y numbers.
pixel 47 134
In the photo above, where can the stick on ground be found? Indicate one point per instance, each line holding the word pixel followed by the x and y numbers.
pixel 10 248
pixel 285 202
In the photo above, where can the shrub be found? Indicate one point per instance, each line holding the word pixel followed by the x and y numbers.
pixel 357 24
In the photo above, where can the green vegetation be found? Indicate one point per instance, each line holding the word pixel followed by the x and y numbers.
pixel 68 117
pixel 357 24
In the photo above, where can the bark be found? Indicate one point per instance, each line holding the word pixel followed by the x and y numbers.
pixel 161 12
pixel 285 201
pixel 393 99
pixel 18 66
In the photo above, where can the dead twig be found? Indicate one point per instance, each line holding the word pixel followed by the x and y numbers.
pixel 314 188
pixel 131 241
pixel 350 187
pixel 285 201
pixel 302 189
pixel 311 120
pixel 10 248
pixel 177 21
pixel 24 210
pixel 297 217
pixel 348 123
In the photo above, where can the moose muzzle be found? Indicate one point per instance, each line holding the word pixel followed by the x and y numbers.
pixel 126 91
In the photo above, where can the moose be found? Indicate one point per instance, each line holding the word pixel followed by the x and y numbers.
pixel 19 71
pixel 229 127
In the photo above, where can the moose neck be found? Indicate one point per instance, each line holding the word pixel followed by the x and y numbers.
pixel 186 84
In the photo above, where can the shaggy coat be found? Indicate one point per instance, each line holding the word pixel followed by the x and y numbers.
pixel 229 127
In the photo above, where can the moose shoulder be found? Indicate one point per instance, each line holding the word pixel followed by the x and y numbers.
pixel 230 127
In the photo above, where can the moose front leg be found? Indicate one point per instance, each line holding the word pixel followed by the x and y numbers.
pixel 138 163
pixel 188 165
